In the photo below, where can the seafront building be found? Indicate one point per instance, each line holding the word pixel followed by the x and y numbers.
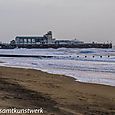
pixel 45 39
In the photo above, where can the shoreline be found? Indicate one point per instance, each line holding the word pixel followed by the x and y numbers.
pixel 29 68
pixel 22 88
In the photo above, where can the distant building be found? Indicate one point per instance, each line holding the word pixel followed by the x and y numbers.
pixel 47 38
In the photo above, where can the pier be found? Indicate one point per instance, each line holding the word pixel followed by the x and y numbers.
pixel 82 45
pixel 47 41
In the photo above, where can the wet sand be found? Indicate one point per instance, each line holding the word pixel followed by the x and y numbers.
pixel 56 94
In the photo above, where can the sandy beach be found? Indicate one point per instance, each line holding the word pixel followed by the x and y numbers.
pixel 56 94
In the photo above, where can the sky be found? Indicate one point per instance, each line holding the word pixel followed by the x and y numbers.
pixel 86 20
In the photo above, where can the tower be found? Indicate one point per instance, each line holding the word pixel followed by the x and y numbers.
pixel 49 35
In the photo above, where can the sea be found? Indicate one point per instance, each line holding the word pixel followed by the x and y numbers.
pixel 85 65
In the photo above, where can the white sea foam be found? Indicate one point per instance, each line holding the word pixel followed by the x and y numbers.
pixel 85 65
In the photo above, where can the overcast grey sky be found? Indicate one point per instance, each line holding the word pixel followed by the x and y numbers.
pixel 87 20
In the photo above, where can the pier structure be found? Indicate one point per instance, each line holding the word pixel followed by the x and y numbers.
pixel 47 41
